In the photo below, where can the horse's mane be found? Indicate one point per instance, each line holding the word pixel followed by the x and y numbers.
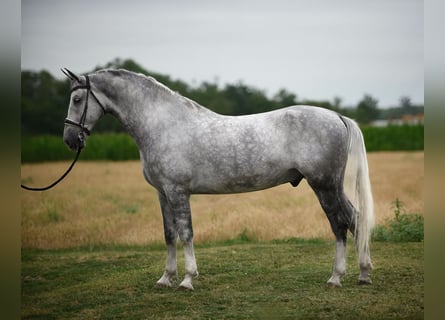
pixel 151 83
pixel 123 73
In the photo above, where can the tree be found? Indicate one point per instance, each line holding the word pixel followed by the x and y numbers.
pixel 44 103
pixel 284 98
pixel 246 100
pixel 337 103
pixel 209 95
pixel 405 102
pixel 367 110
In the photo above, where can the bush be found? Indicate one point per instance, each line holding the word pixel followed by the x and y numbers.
pixel 106 146
pixel 402 228
pixel 394 138
pixel 44 148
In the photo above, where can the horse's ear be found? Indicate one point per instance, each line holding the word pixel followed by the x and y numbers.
pixel 71 75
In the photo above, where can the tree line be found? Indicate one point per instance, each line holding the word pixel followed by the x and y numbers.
pixel 45 100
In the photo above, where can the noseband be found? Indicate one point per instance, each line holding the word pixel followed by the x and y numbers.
pixel 81 123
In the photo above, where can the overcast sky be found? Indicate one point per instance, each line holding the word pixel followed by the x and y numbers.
pixel 315 49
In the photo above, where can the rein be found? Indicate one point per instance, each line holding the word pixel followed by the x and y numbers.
pixel 58 180
pixel 81 125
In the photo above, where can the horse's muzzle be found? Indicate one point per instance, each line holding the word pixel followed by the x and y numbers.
pixel 74 138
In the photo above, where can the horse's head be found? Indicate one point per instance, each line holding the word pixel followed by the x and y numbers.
pixel 83 112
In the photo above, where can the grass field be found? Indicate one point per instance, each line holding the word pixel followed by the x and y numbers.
pixel 271 280
pixel 110 203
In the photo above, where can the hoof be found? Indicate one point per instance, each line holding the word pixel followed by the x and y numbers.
pixel 334 282
pixel 164 282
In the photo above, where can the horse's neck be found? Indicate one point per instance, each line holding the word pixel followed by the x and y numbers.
pixel 145 105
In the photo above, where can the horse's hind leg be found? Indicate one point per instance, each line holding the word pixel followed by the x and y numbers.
pixel 334 204
pixel 366 265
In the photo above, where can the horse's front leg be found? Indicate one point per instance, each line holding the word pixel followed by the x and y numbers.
pixel 180 205
pixel 170 240
pixel 191 269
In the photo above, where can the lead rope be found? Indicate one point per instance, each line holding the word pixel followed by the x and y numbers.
pixel 58 180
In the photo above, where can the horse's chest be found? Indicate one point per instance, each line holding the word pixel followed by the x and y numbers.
pixel 165 170
pixel 152 172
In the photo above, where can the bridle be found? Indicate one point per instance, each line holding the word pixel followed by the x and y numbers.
pixel 81 124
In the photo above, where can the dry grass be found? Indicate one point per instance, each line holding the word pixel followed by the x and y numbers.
pixel 110 203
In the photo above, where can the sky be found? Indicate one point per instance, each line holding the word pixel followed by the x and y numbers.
pixel 317 49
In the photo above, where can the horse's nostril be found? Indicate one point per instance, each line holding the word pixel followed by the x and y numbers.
pixel 70 143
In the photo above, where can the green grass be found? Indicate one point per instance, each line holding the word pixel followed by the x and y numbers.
pixel 245 280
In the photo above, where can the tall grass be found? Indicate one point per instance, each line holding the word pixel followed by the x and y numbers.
pixel 120 146
pixel 106 202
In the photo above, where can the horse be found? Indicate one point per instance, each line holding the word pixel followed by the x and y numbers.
pixel 187 149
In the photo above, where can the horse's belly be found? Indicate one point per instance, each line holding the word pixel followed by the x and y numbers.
pixel 219 185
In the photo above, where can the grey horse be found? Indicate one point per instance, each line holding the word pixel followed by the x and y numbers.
pixel 187 149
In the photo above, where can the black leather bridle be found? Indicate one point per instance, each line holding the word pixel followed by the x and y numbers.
pixel 81 123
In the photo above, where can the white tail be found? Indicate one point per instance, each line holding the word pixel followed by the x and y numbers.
pixel 358 189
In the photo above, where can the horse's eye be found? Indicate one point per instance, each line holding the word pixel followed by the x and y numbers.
pixel 76 99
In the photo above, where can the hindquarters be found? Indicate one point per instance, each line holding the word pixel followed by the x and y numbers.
pixel 318 143
pixel 329 145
